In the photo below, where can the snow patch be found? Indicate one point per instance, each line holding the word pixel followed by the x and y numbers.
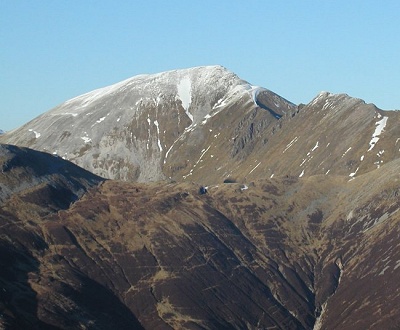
pixel 206 117
pixel 346 152
pixel 354 173
pixel 158 135
pixel 255 90
pixel 384 270
pixel 380 126
pixel 315 147
pixel 244 187
pixel 255 167
pixel 320 95
pixel 350 215
pixel 70 114
pixel 86 139
pixel 301 174
pixel 37 135
pixel 290 144
pixel 185 94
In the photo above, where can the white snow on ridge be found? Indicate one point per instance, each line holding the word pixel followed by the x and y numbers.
pixel 185 94
pixel 100 120
pixel 87 98
pixel 255 90
pixel 37 135
pixel 70 114
pixel 316 99
pixel 380 126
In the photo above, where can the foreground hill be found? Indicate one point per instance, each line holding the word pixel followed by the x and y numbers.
pixel 316 252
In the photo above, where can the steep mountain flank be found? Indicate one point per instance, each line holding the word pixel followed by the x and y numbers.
pixel 152 127
pixel 292 253
pixel 333 134
pixel 225 207
pixel 206 125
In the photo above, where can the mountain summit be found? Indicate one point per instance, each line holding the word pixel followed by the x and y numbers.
pixel 132 130
pixel 205 124
pixel 264 214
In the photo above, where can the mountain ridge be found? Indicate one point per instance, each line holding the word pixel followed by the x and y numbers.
pixel 149 114
pixel 208 125
pixel 222 206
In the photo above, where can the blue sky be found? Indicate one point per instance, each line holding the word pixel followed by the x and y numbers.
pixel 53 50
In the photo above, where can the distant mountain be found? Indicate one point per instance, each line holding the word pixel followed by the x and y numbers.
pixel 205 124
pixel 151 127
pixel 1 131
pixel 261 214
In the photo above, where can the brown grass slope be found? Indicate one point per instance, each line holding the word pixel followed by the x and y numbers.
pixel 334 134
pixel 286 252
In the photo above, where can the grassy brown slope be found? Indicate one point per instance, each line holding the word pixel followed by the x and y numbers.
pixel 284 252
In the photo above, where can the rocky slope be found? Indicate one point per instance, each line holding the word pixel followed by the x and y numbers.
pixel 151 127
pixel 316 252
pixel 205 124
pixel 303 234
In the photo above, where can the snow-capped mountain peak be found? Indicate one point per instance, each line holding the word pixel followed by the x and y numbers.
pixel 205 123
pixel 139 121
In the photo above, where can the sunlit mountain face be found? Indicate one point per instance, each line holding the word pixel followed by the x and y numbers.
pixel 192 199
